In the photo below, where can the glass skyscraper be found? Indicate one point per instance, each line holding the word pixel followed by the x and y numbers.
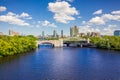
pixel 117 33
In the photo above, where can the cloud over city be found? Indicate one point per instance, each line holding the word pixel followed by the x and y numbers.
pixel 16 19
pixel 104 18
pixel 102 23
pixel 45 23
pixel 63 11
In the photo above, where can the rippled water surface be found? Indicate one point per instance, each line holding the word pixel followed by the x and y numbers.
pixel 62 64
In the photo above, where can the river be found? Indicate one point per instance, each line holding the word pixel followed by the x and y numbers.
pixel 62 64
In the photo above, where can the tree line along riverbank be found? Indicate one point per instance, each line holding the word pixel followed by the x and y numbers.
pixel 107 42
pixel 11 45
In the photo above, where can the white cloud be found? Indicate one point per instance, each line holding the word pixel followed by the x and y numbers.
pixel 83 22
pixel 2 8
pixel 63 12
pixel 25 15
pixel 48 24
pixel 109 30
pixel 87 28
pixel 11 14
pixel 45 24
pixel 102 23
pixel 103 19
pixel 22 15
pixel 97 21
pixel 116 12
pixel 66 0
pixel 109 17
pixel 13 18
pixel 98 12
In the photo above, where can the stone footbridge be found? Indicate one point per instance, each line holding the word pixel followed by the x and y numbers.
pixel 56 43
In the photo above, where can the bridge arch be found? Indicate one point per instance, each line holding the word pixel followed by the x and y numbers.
pixel 55 43
pixel 46 43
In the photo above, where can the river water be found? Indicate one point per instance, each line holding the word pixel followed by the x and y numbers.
pixel 62 64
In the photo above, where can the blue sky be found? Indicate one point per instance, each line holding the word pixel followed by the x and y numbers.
pixel 35 16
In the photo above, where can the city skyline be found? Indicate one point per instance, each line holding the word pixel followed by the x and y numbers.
pixel 33 17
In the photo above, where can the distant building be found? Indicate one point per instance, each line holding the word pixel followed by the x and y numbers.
pixel 74 31
pixel 39 36
pixel 49 36
pixel 13 33
pixel 91 34
pixel 117 33
pixel 43 35
pixel 88 34
pixel 54 34
pixel 82 34
pixel 62 35
pixel 1 33
pixel 95 34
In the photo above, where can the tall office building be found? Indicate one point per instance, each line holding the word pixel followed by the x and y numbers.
pixel 88 34
pixel 62 34
pixel 1 33
pixel 81 34
pixel 71 32
pixel 117 33
pixel 74 31
pixel 95 34
pixel 54 34
pixel 13 33
pixel 91 34
pixel 43 35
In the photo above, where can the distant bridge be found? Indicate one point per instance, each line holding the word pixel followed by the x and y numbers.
pixel 55 43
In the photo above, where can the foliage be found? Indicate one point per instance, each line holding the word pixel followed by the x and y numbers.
pixel 107 42
pixel 10 45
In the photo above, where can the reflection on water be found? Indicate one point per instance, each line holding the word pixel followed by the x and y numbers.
pixel 62 64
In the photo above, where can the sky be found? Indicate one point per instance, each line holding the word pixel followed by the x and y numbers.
pixel 34 16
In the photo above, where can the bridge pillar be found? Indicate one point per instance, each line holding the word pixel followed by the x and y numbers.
pixel 58 43
pixel 88 40
pixel 61 42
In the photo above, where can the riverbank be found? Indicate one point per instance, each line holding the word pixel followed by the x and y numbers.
pixel 11 45
pixel 107 42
